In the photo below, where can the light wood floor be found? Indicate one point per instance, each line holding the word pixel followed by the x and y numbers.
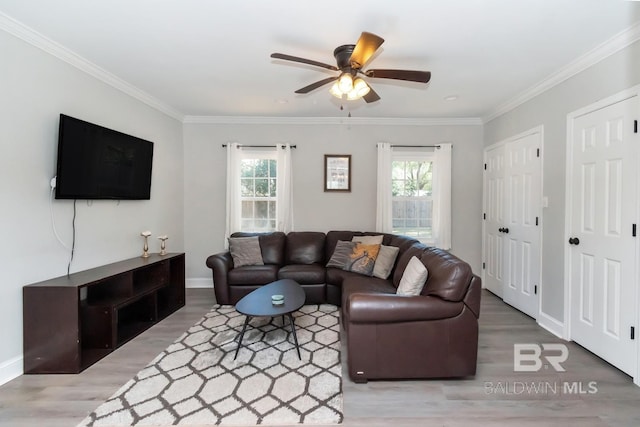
pixel 495 397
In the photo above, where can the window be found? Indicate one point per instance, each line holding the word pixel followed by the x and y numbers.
pixel 258 191
pixel 412 201
pixel 259 188
pixel 414 193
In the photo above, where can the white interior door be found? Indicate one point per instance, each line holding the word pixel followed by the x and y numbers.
pixel 494 220
pixel 521 229
pixel 602 256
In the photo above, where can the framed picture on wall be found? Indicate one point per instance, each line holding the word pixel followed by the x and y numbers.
pixel 337 172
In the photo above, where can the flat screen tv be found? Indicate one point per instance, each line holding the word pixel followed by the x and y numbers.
pixel 99 163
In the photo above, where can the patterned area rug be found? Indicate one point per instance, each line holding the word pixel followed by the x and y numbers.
pixel 196 381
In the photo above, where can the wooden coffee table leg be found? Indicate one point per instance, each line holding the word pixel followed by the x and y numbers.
pixel 244 328
pixel 293 331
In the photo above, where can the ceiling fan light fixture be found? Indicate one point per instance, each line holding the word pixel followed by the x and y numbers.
pixel 361 87
pixel 345 82
pixel 335 90
pixel 353 95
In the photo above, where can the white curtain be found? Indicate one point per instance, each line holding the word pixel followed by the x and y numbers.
pixel 442 197
pixel 383 205
pixel 284 192
pixel 233 191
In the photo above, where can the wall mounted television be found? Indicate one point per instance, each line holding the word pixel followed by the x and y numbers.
pixel 95 162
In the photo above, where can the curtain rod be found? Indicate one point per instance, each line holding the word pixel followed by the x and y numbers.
pixel 257 146
pixel 415 146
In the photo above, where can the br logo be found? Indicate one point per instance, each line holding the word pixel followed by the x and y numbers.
pixel 528 357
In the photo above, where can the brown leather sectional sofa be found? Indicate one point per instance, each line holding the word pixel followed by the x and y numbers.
pixel 433 335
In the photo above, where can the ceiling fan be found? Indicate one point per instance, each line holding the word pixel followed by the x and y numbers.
pixel 350 59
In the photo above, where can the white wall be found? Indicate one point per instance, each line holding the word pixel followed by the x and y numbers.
pixel 205 169
pixel 35 88
pixel 550 109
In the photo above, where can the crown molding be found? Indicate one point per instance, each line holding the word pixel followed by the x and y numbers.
pixel 597 54
pixel 365 121
pixel 38 40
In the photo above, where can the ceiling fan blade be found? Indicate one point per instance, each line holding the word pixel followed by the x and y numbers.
pixel 303 61
pixel 409 75
pixel 372 96
pixel 316 85
pixel 366 46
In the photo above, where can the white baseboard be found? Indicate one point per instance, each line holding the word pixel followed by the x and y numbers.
pixel 10 369
pixel 199 283
pixel 551 324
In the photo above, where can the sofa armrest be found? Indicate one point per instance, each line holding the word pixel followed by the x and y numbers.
pixel 391 308
pixel 221 264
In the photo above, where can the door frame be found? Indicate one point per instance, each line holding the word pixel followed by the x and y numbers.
pixel 532 131
pixel 633 91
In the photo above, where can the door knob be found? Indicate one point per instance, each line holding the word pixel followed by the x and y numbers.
pixel 500 229
pixel 506 230
pixel 574 241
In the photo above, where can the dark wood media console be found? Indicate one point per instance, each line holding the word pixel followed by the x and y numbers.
pixel 71 322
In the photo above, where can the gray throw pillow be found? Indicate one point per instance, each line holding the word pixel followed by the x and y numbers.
pixel 413 278
pixel 385 261
pixel 341 254
pixel 245 251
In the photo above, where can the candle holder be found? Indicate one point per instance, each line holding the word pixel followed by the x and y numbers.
pixel 163 245
pixel 145 248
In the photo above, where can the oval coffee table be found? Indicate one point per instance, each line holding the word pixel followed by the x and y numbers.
pixel 258 304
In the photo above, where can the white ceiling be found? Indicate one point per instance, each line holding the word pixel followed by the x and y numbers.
pixel 211 58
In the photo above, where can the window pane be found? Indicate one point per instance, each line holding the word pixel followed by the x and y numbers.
pixel 273 168
pixel 262 209
pixel 246 185
pixel 262 187
pixel 247 224
pixel 397 170
pixel 272 187
pixel 272 209
pixel 247 209
pixel 262 168
pixel 272 224
pixel 246 168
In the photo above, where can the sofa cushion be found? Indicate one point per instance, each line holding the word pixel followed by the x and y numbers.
pixel 357 283
pixel 252 275
pixel 449 276
pixel 304 274
pixel 245 251
pixel 271 245
pixel 335 276
pixel 413 278
pixel 305 247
